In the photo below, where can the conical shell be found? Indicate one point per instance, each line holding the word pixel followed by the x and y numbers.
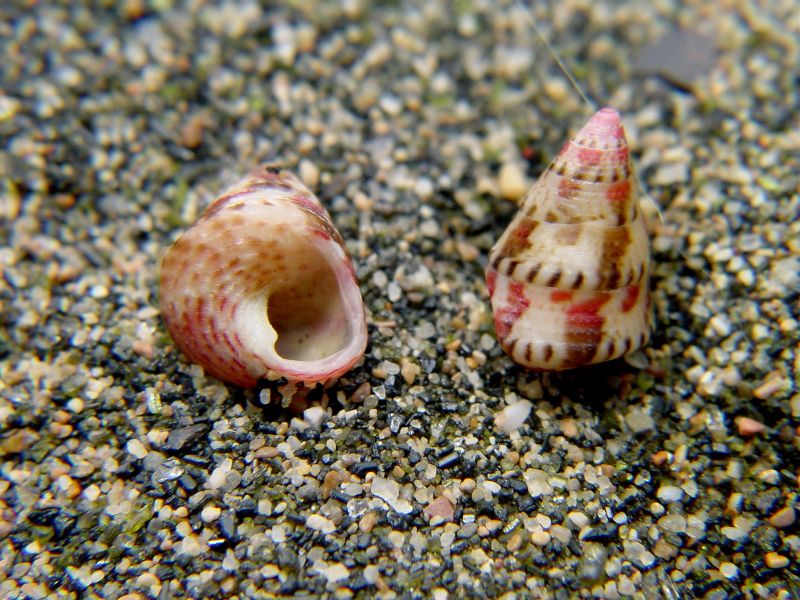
pixel 261 287
pixel 568 279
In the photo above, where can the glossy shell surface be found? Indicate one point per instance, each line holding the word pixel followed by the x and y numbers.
pixel 261 287
pixel 568 279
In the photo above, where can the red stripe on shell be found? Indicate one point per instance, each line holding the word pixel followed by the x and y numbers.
pixel 561 295
pixel 308 204
pixel 568 188
pixel 619 191
pixel 631 296
pixel 320 233
pixel 199 309
pixel 584 330
pixel 584 317
pixel 491 279
pixel 522 232
pixel 590 156
pixel 233 348
pixel 507 315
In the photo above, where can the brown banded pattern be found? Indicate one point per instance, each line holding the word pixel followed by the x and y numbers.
pixel 568 279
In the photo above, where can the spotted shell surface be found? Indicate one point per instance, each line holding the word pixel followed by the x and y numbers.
pixel 261 287
pixel 568 279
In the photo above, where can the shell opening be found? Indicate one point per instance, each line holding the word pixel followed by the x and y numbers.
pixel 308 311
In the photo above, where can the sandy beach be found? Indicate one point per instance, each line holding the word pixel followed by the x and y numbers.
pixel 126 473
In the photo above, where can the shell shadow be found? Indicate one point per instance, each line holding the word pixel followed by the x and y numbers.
pixel 598 387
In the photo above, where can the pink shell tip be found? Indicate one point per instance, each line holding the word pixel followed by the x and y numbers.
pixel 605 123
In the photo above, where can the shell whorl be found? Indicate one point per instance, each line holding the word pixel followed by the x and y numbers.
pixel 261 287
pixel 568 279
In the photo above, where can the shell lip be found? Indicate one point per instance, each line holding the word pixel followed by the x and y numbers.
pixel 323 369
pixel 352 314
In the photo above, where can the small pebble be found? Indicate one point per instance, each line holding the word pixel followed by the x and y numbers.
pixel 748 427
pixel 315 416
pixel 593 562
pixel 540 538
pixel 512 416
pixel 569 427
pixel 367 522
pixel 578 519
pixel 669 493
pixel 409 371
pixel 335 572
pixel 638 554
pixel 729 570
pixel 769 388
pixel 514 542
pixel 775 561
pixel 512 181
pixel 136 448
pixel 660 457
pixel 319 523
pixel 210 513
pixel 671 174
pixel 785 517
pixel 309 173
pixel 193 130
pixel 441 509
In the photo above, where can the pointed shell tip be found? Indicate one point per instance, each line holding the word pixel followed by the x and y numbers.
pixel 606 122
pixel 608 113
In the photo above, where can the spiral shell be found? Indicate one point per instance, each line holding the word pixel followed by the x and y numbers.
pixel 261 287
pixel 568 279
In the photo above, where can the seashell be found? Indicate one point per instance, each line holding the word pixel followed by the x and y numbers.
pixel 261 287
pixel 568 279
